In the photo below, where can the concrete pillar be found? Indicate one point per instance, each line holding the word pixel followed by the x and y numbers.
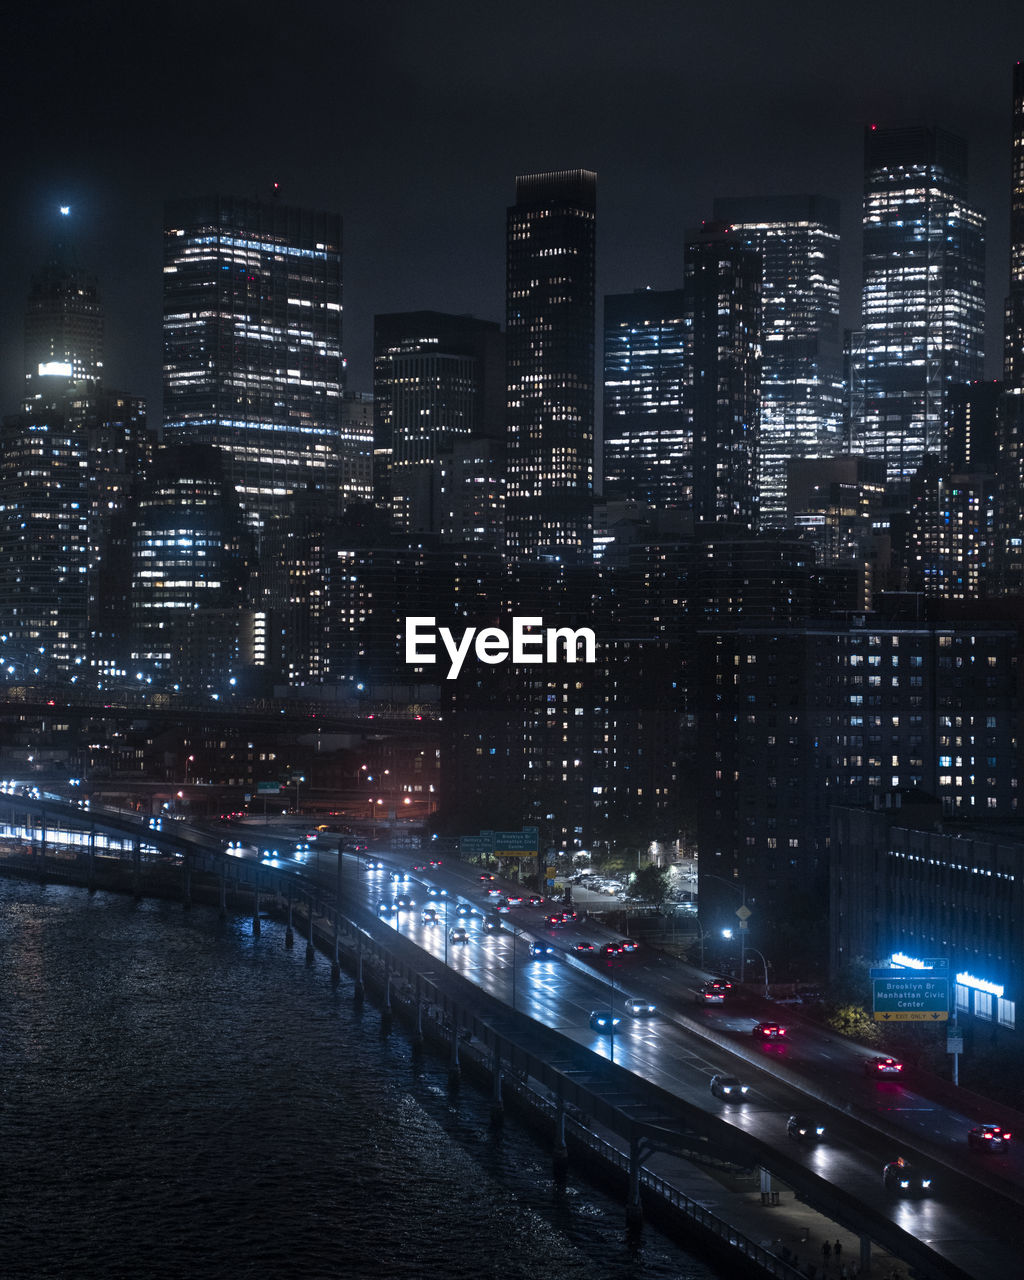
pixel 359 991
pixel 454 1068
pixel 634 1209
pixel 310 949
pixel 560 1151
pixel 497 1100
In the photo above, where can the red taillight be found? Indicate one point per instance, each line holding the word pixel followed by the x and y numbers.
pixel 1007 1136
pixel 782 1031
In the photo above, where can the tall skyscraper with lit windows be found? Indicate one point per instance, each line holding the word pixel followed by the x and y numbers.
pixel 923 301
pixel 1013 351
pixel 252 327
pixel 722 280
pixel 797 238
pixel 648 434
pixel 550 318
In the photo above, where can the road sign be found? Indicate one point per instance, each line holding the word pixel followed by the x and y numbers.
pixel 911 997
pixel 473 846
pixel 516 841
pixel 268 788
pixel 744 914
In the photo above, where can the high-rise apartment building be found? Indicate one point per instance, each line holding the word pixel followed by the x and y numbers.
pixel 252 327
pixel 722 280
pixel 797 238
pixel 438 382
pixel 550 317
pixel 648 432
pixel 923 300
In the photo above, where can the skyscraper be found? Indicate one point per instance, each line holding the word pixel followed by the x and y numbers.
pixel 253 358
pixel 923 302
pixel 438 380
pixel 1013 352
pixel 648 433
pixel 722 279
pixel 550 365
pixel 801 367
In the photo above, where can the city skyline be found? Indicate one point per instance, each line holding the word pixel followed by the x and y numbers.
pixel 421 176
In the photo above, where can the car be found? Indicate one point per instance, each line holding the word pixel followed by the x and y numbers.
pixel 404 904
pixel 604 1020
pixel 611 949
pixel 567 915
pixel 904 1178
pixel 583 948
pixel 501 906
pixel 720 984
pixel 988 1137
pixel 638 1008
pixel 397 876
pixel 464 909
pixel 514 900
pixel 374 866
pixel 710 994
pixel 420 866
pixel 435 863
pixel 768 1031
pixel 541 949
pixel 629 945
pixel 385 908
pixel 492 924
pixel 805 1128
pixel 883 1067
pixel 554 921
pixel 458 934
pixel 535 900
pixel 486 878
pixel 495 893
pixel 729 1088
pixel 429 915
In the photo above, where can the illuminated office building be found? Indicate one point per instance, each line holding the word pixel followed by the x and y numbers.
pixel 1013 351
pixel 438 383
pixel 191 556
pixel 252 328
pixel 356 447
pixel 550 319
pixel 648 434
pixel 722 280
pixel 797 238
pixel 923 300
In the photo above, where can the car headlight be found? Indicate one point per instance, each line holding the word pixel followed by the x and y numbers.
pixel 926 1182
pixel 820 1130
pixel 727 1088
pixel 904 1185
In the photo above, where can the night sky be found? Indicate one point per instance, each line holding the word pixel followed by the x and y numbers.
pixel 412 120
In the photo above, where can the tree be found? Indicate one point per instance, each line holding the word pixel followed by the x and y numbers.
pixel 650 884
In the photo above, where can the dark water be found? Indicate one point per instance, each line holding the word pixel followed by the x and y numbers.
pixel 179 1099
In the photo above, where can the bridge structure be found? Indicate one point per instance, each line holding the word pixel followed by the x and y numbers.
pixel 645 1115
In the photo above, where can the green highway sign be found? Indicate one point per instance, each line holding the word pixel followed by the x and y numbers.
pixel 268 788
pixel 911 997
pixel 475 844
pixel 516 841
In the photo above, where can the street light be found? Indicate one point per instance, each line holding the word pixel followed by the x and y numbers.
pixel 744 915
pixel 300 777
pixel 765 963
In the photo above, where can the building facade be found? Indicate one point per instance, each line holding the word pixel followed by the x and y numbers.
pixel 550 319
pixel 648 429
pixel 923 298
pixel 797 238
pixel 722 280
pixel 252 331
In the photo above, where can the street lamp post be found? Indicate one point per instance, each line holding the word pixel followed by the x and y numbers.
pixel 744 915
pixel 764 962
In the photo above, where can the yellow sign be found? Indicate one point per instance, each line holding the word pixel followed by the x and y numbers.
pixel 904 1015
